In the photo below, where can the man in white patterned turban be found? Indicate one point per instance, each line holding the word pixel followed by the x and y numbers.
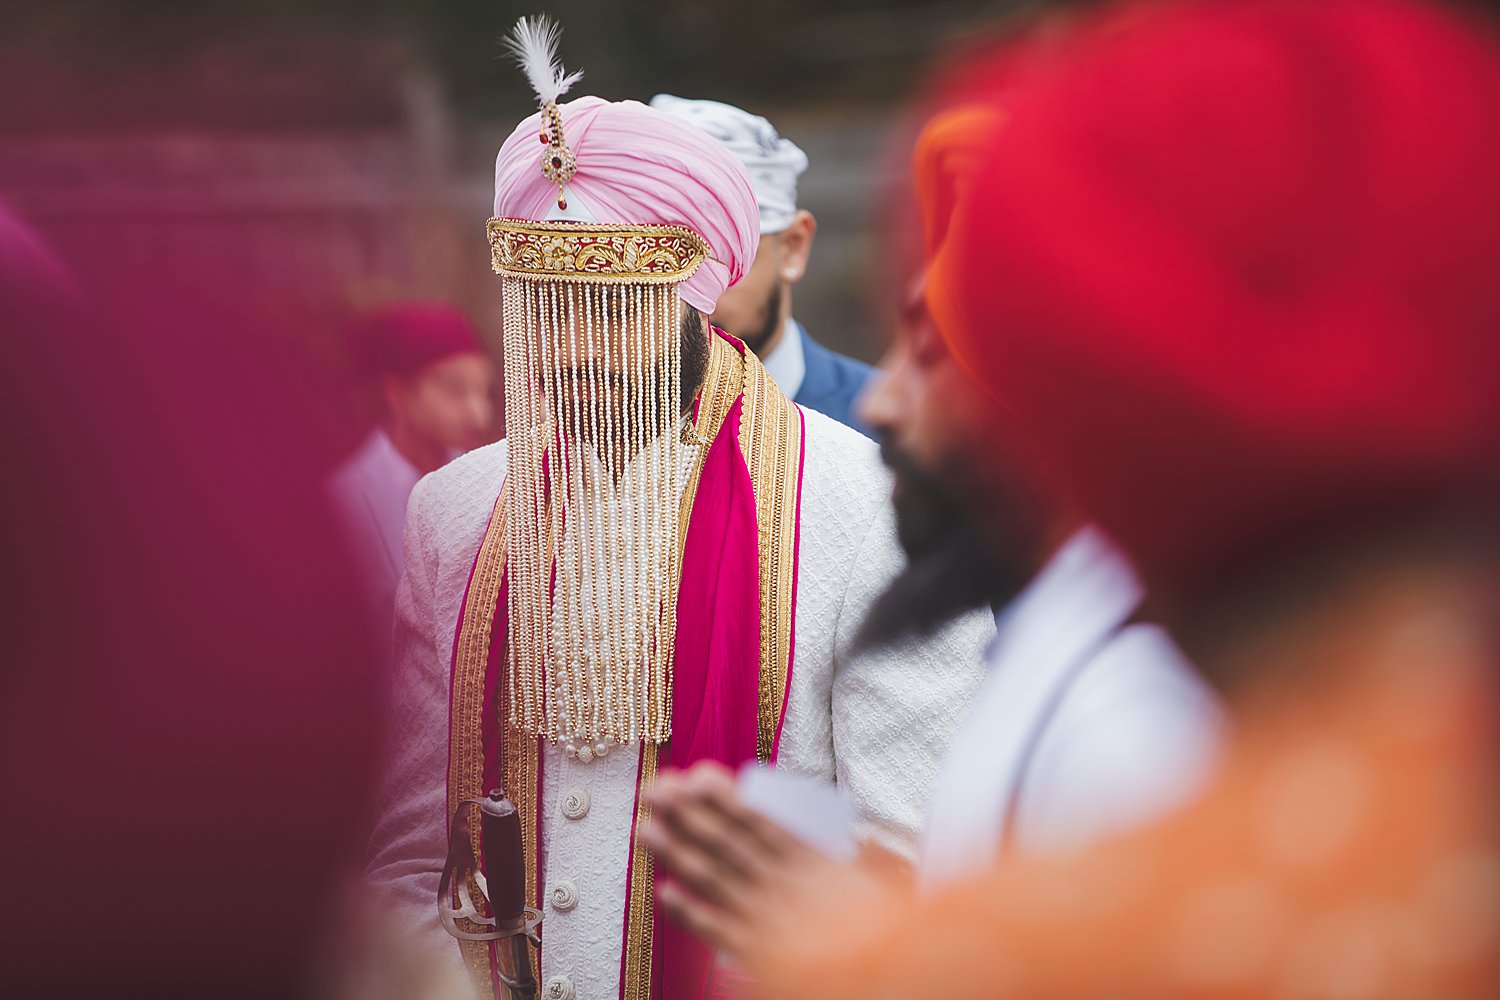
pixel 662 564
pixel 758 309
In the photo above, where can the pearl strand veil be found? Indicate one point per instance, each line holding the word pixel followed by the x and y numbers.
pixel 596 478
pixel 598 464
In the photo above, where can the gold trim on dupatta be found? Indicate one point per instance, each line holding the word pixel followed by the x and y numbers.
pixel 640 916
pixel 771 441
pixel 466 732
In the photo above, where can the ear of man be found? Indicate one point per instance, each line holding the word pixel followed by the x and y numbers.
pixel 796 242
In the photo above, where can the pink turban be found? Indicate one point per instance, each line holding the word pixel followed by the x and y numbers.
pixel 639 166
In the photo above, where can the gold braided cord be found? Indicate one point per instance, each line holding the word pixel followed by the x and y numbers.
pixel 771 442
pixel 640 916
pixel 593 254
pixel 466 722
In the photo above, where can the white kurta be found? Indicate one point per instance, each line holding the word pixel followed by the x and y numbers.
pixel 1100 720
pixel 878 727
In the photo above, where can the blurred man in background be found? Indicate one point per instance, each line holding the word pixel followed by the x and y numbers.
pixel 436 388
pixel 758 309
pixel 1090 721
pixel 1263 358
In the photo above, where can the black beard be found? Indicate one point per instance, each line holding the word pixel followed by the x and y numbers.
pixel 954 562
pixel 758 338
pixel 695 345
pixel 589 380
pixel 595 382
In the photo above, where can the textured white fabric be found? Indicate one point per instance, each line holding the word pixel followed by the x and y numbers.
pixel 785 363
pixel 774 163
pixel 593 854
pixel 1108 723
pixel 878 726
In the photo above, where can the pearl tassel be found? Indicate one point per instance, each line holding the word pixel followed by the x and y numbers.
pixel 593 397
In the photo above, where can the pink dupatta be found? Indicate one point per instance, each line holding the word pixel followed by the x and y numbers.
pixel 717 666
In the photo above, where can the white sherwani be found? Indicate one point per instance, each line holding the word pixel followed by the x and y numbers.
pixel 878 727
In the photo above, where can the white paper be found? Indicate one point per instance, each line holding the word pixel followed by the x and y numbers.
pixel 813 811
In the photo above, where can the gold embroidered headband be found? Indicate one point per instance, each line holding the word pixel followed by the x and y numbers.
pixel 579 251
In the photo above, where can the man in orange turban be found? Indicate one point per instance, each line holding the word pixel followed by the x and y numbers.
pixel 1089 721
pixel 1229 278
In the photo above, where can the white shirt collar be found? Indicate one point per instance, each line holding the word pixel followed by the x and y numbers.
pixel 785 362
pixel 1085 590
pixel 382 454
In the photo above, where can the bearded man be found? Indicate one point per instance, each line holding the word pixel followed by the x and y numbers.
pixel 1263 359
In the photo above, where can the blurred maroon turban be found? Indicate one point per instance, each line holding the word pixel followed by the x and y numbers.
pixel 405 338
pixel 1233 265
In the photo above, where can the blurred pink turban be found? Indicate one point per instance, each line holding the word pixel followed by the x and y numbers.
pixel 639 166
pixel 404 338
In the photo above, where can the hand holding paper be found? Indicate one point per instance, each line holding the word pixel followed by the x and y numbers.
pixel 743 852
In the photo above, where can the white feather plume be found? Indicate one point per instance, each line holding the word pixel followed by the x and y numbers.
pixel 533 43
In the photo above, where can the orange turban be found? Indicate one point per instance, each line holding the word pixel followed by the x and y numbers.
pixel 945 163
pixel 1233 267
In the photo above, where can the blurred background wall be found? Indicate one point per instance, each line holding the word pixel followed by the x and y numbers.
pixel 342 151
